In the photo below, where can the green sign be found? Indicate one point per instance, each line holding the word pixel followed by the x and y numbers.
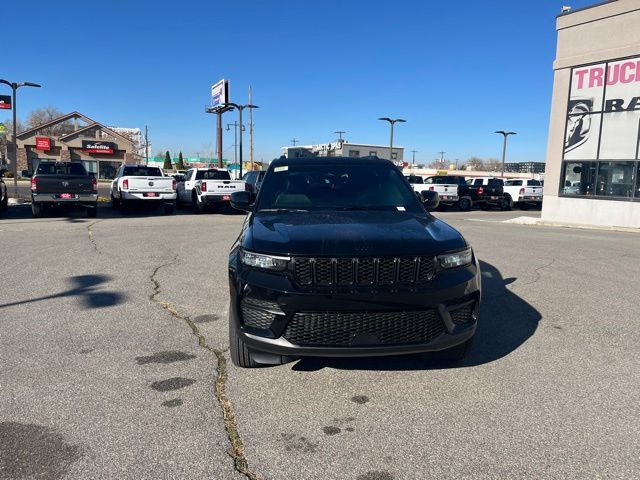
pixel 3 129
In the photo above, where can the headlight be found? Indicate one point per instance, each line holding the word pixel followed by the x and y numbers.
pixel 457 259
pixel 268 262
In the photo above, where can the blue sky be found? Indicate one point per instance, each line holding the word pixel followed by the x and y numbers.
pixel 456 71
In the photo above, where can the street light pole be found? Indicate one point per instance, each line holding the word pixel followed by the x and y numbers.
pixel 392 122
pixel 240 108
pixel 15 86
pixel 504 146
pixel 413 160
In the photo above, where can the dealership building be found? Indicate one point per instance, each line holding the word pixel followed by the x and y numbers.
pixel 593 164
pixel 75 138
pixel 343 148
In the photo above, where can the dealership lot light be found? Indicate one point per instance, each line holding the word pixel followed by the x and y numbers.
pixel 15 86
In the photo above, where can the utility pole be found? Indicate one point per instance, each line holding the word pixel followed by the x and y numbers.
pixel 413 161
pixel 457 159
pixel 146 145
pixel 251 128
pixel 294 141
pixel 340 132
pixel 442 158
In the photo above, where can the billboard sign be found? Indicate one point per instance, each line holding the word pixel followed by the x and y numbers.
pixel 103 148
pixel 220 93
pixel 5 102
pixel 603 113
pixel 43 143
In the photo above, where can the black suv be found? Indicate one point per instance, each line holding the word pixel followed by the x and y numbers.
pixel 339 257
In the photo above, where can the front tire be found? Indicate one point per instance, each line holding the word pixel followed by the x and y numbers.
pixel 241 355
pixel 36 210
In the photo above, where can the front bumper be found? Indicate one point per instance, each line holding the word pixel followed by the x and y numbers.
pixel 440 301
pixel 80 198
pixel 158 197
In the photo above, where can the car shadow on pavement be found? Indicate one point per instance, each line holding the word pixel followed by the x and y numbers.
pixel 506 321
pixel 85 288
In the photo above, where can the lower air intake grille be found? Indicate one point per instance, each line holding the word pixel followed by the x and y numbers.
pixel 254 313
pixel 462 315
pixel 361 329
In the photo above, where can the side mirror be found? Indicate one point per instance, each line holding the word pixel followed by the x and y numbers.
pixel 241 201
pixel 430 199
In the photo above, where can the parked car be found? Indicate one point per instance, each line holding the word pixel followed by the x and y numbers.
pixel 254 179
pixel 523 193
pixel 144 184
pixel 208 187
pixel 447 187
pixel 340 258
pixel 63 184
pixel 416 182
pixel 484 192
pixel 4 196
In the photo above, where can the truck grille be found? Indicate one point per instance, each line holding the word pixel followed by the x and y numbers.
pixel 362 271
pixel 362 329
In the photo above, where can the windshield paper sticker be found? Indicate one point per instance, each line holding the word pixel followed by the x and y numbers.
pixel 402 209
pixel 281 169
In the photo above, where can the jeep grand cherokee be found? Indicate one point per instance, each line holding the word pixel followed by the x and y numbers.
pixel 339 257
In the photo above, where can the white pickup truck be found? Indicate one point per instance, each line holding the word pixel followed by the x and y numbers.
pixel 208 187
pixel 523 193
pixel 141 183
pixel 447 188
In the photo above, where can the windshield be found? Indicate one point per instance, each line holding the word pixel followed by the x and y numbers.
pixel 415 179
pixel 212 175
pixel 141 172
pixel 61 169
pixel 336 187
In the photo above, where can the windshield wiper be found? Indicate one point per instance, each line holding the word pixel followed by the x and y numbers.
pixel 354 208
pixel 279 210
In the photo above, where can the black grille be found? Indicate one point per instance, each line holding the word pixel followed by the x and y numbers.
pixel 462 315
pixel 323 271
pixel 255 313
pixel 361 329
pixel 362 271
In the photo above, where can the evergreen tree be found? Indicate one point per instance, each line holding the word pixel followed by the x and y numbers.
pixel 167 161
pixel 180 164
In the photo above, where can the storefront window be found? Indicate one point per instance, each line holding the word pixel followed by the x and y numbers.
pixel 91 167
pixel 638 181
pixel 615 179
pixel 579 178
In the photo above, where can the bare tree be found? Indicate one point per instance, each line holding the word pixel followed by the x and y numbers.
pixel 44 115
pixel 8 124
pixel 492 165
pixel 475 163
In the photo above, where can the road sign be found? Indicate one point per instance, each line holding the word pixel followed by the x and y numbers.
pixel 5 102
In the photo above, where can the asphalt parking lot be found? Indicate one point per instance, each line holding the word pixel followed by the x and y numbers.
pixel 113 347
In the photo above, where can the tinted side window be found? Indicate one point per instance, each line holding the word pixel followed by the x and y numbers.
pixel 429 180
pixel 478 182
pixel 534 183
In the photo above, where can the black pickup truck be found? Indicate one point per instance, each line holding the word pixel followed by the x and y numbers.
pixel 63 184
pixel 485 192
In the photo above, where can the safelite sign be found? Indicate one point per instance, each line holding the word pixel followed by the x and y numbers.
pixel 103 148
pixel 43 143
pixel 5 102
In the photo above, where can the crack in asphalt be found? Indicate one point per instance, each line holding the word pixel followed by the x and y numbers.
pixel 536 271
pixel 91 238
pixel 236 452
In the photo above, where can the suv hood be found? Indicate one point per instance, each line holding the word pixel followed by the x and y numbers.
pixel 369 233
